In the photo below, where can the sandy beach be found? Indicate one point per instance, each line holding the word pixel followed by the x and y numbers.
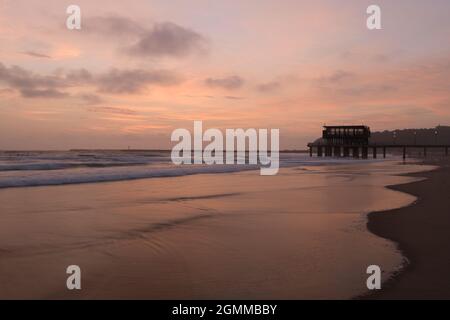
pixel 422 233
pixel 298 235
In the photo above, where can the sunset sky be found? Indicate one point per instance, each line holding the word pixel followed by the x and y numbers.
pixel 139 69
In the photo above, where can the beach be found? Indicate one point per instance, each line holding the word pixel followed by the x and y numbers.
pixel 422 233
pixel 236 235
pixel 224 150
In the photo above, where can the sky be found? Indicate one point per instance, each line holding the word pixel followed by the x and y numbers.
pixel 137 70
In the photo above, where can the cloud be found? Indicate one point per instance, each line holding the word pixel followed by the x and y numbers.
pixel 229 83
pixel 168 39
pixel 369 89
pixel 346 84
pixel 79 76
pixel 36 54
pixel 115 81
pixel 18 77
pixel 43 93
pixel 336 77
pixel 31 85
pixel 115 26
pixel 134 81
pixel 164 39
pixel 269 86
pixel 113 110
pixel 91 98
pixel 234 98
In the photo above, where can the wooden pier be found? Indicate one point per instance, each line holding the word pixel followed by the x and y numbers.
pixel 346 141
pixel 362 151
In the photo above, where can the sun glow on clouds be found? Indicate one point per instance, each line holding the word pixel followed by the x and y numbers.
pixel 138 70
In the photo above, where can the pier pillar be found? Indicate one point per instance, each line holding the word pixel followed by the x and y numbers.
pixel 310 152
pixel 365 152
pixel 319 151
pixel 355 152
pixel 328 151
pixel 404 153
pixel 425 152
pixel 346 151
pixel 374 152
pixel 337 151
pixel 384 152
pixel 446 151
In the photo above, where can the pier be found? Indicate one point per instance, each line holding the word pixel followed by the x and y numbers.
pixel 353 141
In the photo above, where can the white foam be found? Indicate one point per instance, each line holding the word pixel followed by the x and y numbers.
pixel 57 168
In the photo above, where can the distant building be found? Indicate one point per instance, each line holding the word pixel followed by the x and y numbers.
pixel 346 135
pixel 341 141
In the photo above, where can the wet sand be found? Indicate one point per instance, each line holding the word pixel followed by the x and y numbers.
pixel 298 235
pixel 422 231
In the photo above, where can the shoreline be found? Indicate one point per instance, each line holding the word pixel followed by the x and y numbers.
pixel 420 232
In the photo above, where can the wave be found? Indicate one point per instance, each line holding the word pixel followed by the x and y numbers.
pixel 64 165
pixel 54 160
pixel 90 176
pixel 59 168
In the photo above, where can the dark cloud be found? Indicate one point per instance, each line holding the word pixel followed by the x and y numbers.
pixel 36 54
pixel 168 39
pixel 91 98
pixel 31 85
pixel 113 110
pixel 234 98
pixel 133 81
pixel 113 26
pixel 230 83
pixel 115 81
pixel 337 76
pixel 161 40
pixel 80 76
pixel 122 81
pixel 202 96
pixel 269 86
pixel 43 93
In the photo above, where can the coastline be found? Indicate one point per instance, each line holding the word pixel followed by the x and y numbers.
pixel 420 231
